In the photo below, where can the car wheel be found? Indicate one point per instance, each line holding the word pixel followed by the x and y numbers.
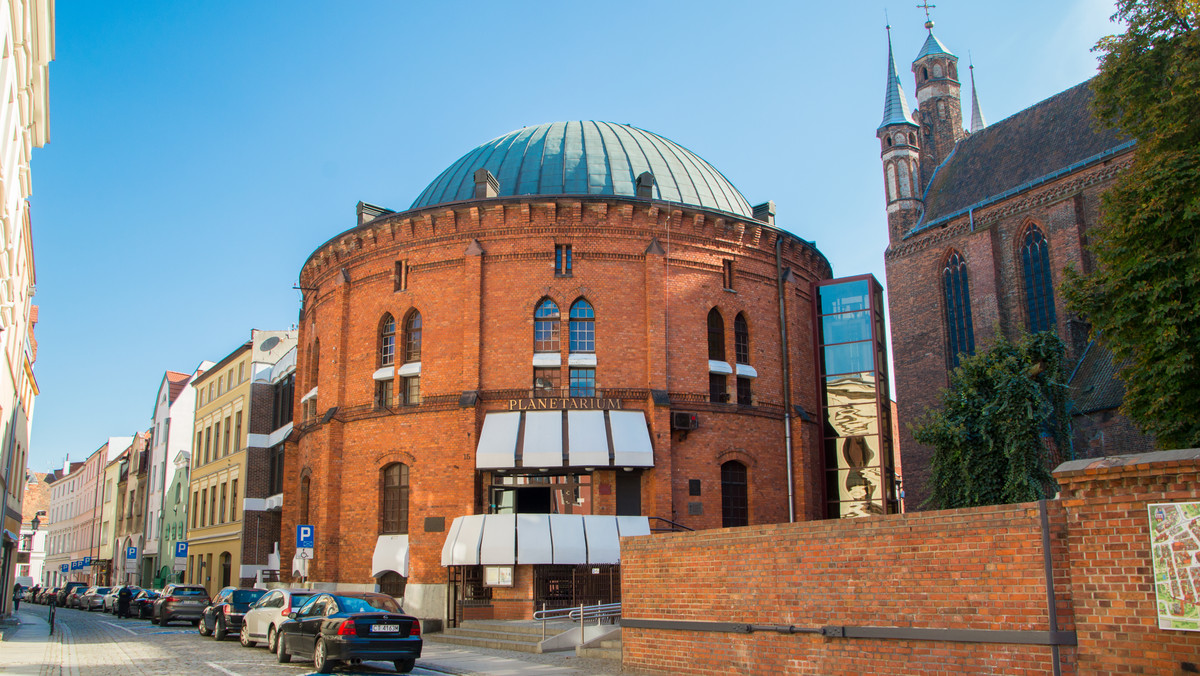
pixel 153 619
pixel 202 629
pixel 405 666
pixel 221 631
pixel 321 662
pixel 281 651
pixel 244 636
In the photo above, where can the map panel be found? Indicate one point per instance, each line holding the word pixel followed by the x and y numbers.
pixel 1175 550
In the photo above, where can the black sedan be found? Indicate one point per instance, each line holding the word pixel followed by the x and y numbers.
pixel 351 626
pixel 224 615
pixel 141 605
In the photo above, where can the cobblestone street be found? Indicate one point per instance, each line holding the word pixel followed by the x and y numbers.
pixel 97 644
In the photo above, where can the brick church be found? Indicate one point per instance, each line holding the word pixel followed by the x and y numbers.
pixel 981 223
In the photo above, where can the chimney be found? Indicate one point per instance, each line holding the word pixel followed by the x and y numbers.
pixel 765 212
pixel 369 212
pixel 486 185
pixel 645 185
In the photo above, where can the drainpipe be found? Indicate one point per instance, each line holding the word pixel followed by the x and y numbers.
pixel 787 379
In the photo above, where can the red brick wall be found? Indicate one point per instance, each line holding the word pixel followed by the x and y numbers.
pixel 939 570
pixel 974 569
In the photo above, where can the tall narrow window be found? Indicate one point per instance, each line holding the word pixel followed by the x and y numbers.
pixel 207 443
pixel 546 323
pixel 394 510
pixel 224 500
pixel 314 366
pixel 237 430
pixel 412 337
pixel 212 506
pixel 305 487
pixel 1039 289
pixel 727 274
pixel 383 393
pixel 718 388
pixel 216 450
pixel 741 339
pixel 387 341
pixel 716 336
pixel 233 511
pixel 203 506
pixel 562 259
pixel 228 433
pixel 195 507
pixel 400 277
pixel 583 327
pixel 735 508
pixel 956 290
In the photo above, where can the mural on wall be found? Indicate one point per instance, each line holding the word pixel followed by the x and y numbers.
pixel 1175 550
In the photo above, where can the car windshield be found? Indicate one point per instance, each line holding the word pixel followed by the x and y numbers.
pixel 355 604
pixel 184 591
pixel 103 590
pixel 248 595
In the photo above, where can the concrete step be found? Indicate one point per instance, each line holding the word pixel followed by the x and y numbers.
pixel 530 627
pixel 604 653
pixel 477 632
pixel 500 643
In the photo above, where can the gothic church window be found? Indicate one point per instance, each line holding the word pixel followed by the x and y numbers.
pixel 1039 289
pixel 956 292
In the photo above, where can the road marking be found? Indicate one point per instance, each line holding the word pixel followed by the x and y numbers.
pixel 222 669
pixel 119 627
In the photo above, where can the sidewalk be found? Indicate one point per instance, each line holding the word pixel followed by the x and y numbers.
pixel 472 661
pixel 26 646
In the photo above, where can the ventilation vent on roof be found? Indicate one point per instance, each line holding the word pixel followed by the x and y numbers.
pixel 645 185
pixel 765 212
pixel 486 184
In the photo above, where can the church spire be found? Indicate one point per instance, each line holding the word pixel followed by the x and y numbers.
pixel 895 104
pixel 977 121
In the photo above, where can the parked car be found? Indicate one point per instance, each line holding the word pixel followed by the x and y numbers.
pixel 75 596
pixel 93 598
pixel 225 613
pixel 67 589
pixel 179 602
pixel 350 626
pixel 142 605
pixel 263 618
pixel 46 594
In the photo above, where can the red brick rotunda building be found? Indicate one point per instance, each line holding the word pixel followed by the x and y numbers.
pixel 579 331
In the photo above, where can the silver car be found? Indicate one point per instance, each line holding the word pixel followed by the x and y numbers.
pixel 93 599
pixel 262 621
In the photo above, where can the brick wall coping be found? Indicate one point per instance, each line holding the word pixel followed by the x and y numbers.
pixel 1127 464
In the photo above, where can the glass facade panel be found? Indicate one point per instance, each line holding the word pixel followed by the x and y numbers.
pixel 845 297
pixel 852 421
pixel 848 358
pixel 541 494
pixel 846 328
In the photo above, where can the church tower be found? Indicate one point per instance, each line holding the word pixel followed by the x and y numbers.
pixel 899 138
pixel 939 106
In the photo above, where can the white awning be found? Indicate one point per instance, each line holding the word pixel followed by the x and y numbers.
pixel 547 359
pixel 385 373
pixel 498 441
pixel 413 368
pixel 492 539
pixel 536 439
pixel 391 554
pixel 722 367
pixel 746 371
pixel 311 393
pixel 581 359
pixel 631 439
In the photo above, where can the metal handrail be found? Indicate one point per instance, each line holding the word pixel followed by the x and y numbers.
pixel 673 526
pixel 580 614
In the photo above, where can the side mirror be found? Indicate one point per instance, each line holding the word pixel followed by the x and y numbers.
pixel 292 615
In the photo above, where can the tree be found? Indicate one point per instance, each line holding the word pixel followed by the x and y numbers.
pixel 1002 422
pixel 1143 298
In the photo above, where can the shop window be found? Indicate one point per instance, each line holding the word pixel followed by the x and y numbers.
pixel 583 327
pixel 394 507
pixel 735 508
pixel 546 324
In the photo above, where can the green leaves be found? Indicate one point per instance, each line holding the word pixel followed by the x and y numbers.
pixel 1003 421
pixel 1143 301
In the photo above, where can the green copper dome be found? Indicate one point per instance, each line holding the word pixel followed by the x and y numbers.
pixel 587 158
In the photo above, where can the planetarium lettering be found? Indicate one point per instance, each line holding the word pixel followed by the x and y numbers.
pixel 563 404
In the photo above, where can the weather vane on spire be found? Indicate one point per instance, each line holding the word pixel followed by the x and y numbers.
pixel 926 6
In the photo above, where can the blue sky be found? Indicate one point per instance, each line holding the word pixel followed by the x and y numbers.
pixel 199 152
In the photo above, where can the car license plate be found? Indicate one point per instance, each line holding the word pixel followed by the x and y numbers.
pixel 386 628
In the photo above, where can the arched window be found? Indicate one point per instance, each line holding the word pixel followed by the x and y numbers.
pixel 393 584
pixel 305 486
pixel 956 291
pixel 412 337
pixel 1039 290
pixel 387 340
pixel 583 327
pixel 546 325
pixel 716 335
pixel 741 339
pixel 735 507
pixel 393 510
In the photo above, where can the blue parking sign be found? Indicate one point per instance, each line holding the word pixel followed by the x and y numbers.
pixel 181 550
pixel 131 553
pixel 304 537
pixel 65 567
pixel 87 562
